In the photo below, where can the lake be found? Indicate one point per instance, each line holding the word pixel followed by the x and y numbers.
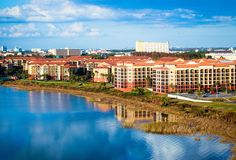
pixel 54 126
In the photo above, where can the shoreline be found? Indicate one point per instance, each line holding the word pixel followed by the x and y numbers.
pixel 186 125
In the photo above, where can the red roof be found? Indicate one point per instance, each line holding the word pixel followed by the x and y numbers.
pixel 169 59
pixel 71 58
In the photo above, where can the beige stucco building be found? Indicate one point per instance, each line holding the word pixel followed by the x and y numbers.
pixel 142 46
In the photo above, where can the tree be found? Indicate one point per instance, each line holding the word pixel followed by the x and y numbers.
pixel 104 75
pixel 172 88
pixel 149 81
pixel 199 87
pixel 47 77
pixel 73 76
pixel 230 86
pixel 199 93
pixel 110 77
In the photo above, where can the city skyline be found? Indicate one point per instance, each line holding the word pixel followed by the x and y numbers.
pixel 109 24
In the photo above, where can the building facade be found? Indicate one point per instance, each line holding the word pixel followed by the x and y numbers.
pixel 3 49
pixel 225 55
pixel 142 46
pixel 65 52
pixel 41 70
pixel 132 75
pixel 191 76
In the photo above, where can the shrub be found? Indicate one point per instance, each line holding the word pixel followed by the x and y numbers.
pixel 165 101
pixel 138 91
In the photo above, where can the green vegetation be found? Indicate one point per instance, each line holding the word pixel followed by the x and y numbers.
pixel 13 71
pixel 138 91
pixel 186 55
pixel 165 101
pixel 167 128
pixel 139 94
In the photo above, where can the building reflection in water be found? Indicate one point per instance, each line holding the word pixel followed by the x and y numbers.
pixel 103 107
pixel 133 115
pixel 43 102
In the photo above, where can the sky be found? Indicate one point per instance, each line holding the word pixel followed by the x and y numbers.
pixel 116 24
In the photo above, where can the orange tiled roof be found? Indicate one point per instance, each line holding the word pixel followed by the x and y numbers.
pixel 46 62
pixel 160 68
pixel 78 57
pixel 168 59
pixel 127 57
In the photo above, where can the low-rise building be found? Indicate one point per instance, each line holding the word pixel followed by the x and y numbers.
pixel 54 70
pixel 101 74
pixel 230 55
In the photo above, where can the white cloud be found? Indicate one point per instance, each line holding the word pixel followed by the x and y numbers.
pixel 52 29
pixel 47 30
pixel 12 12
pixel 67 10
pixel 20 30
pixel 56 11
pixel 224 18
pixel 94 32
pixel 72 30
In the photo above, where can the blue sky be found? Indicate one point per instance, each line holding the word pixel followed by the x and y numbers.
pixel 117 23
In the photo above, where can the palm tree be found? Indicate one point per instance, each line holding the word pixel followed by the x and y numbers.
pixel 110 77
pixel 104 75
pixel 149 81
pixel 92 74
pixel 230 86
pixel 199 87
pixel 171 87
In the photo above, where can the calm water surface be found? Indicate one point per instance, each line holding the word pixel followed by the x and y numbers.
pixel 43 125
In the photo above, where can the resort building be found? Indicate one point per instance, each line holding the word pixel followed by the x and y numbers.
pixel 142 46
pixel 101 74
pixel 104 70
pixel 226 55
pixel 79 61
pixel 93 63
pixel 53 70
pixel 168 74
pixel 21 61
pixel 203 74
pixel 133 74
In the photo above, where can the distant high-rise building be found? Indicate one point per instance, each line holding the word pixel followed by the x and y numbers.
pixel 17 49
pixel 142 46
pixel 3 49
pixel 65 52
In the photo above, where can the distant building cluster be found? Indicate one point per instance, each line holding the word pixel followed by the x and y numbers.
pixel 230 54
pixel 65 52
pixel 3 49
pixel 142 46
pixel 168 74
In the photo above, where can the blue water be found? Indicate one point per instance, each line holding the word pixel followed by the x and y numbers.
pixel 43 125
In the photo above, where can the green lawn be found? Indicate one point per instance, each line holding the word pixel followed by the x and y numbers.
pixel 223 106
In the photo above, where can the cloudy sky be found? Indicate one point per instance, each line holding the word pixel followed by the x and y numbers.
pixel 117 23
